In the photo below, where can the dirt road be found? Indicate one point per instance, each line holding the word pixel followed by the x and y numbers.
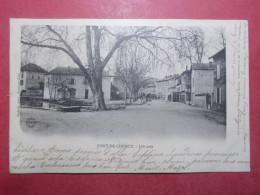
pixel 156 119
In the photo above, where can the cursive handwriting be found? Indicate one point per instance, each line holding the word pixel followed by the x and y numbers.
pixel 135 159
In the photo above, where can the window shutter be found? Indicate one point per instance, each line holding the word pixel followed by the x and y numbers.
pixel 220 95
pixel 218 71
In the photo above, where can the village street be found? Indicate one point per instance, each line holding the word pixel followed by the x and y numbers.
pixel 155 119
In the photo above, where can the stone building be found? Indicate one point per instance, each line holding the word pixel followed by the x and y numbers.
pixel 219 65
pixel 165 87
pixel 174 89
pixel 149 88
pixel 32 80
pixel 185 87
pixel 202 85
pixel 66 82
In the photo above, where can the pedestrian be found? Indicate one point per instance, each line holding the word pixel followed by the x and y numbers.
pixel 208 101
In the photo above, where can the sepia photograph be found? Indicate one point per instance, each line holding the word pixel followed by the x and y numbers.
pixel 151 81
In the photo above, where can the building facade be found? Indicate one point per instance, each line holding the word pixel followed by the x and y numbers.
pixel 165 87
pixel 32 80
pixel 162 88
pixel 184 87
pixel 149 88
pixel 174 90
pixel 66 82
pixel 202 85
pixel 219 96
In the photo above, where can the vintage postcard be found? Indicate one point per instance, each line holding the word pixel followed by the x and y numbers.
pixel 129 96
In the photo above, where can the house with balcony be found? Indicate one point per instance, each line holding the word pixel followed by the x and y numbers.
pixel 219 68
pixel 32 80
pixel 202 84
pixel 67 82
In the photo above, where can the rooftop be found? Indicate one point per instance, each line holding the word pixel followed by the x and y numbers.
pixel 149 81
pixel 221 52
pixel 32 68
pixel 201 66
pixel 71 71
pixel 167 78
pixel 150 85
pixel 186 72
pixel 66 71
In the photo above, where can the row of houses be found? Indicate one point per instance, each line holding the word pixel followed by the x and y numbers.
pixel 203 85
pixel 59 83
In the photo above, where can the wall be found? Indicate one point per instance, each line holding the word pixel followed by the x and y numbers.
pixel 150 89
pixel 23 78
pixel 185 81
pixel 106 84
pixel 202 81
pixel 219 83
pixel 50 89
pixel 53 83
pixel 199 101
pixel 29 82
pixel 161 89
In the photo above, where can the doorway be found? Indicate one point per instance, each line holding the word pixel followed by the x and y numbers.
pixel 86 93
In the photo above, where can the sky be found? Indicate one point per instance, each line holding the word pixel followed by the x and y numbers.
pixel 210 36
pixel 49 59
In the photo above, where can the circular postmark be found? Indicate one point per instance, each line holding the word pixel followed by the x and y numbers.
pixel 30 122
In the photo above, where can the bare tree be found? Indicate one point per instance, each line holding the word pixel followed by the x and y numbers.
pixel 193 47
pixel 131 68
pixel 221 38
pixel 100 44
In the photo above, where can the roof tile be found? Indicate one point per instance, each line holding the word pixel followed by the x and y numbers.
pixel 32 68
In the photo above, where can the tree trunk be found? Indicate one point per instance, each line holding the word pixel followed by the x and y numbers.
pixel 125 96
pixel 98 95
pixel 130 98
pixel 135 97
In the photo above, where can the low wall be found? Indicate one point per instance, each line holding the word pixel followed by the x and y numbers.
pixel 199 101
pixel 219 107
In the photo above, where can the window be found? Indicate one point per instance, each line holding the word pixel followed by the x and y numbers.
pixel 21 82
pixel 56 80
pixel 32 77
pixel 72 93
pixel 218 94
pixel 218 71
pixel 217 100
pixel 86 93
pixel 71 81
pixel 39 77
pixel 22 75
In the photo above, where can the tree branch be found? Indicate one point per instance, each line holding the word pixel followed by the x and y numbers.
pixel 89 48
